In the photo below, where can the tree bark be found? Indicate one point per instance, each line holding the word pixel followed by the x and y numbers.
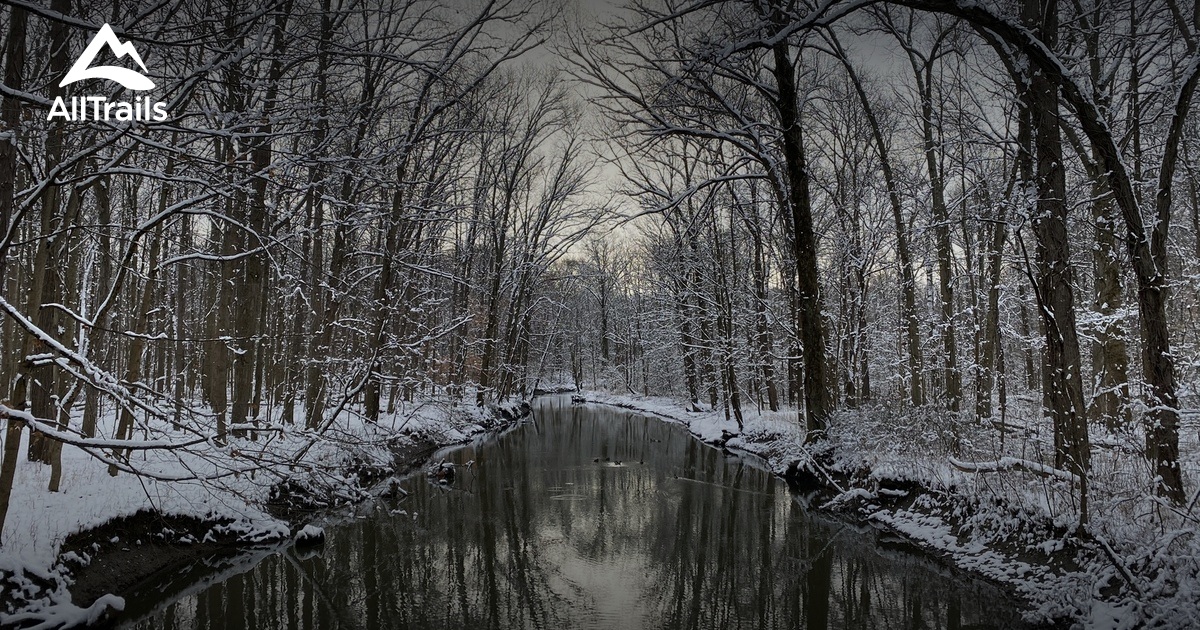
pixel 10 118
pixel 1110 358
pixel 10 121
pixel 1056 301
pixel 47 280
pixel 250 296
pixel 137 345
pixel 952 377
pixel 910 321
pixel 817 402
pixel 1148 251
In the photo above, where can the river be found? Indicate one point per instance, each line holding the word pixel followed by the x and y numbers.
pixel 581 517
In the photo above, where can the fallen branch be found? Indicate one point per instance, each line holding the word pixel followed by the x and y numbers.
pixel 1118 563
pixel 1012 463
pixel 47 429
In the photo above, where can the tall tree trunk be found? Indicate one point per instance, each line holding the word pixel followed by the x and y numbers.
pixel 330 299
pixel 990 342
pixel 762 324
pixel 952 377
pixel 725 265
pixel 10 121
pixel 817 402
pixel 761 339
pixel 311 262
pixel 910 320
pixel 1055 298
pixel 137 345
pixel 250 296
pixel 68 250
pixel 1157 359
pixel 10 118
pixel 396 243
pixel 687 337
pixel 1110 358
pixel 92 401
pixel 221 330
pixel 321 334
pixel 47 280
pixel 1194 188
pixel 181 289
pixel 491 327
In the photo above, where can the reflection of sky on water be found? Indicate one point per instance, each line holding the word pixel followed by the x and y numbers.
pixel 548 531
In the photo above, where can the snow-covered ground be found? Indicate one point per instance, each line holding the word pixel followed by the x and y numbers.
pixel 228 485
pixel 1138 565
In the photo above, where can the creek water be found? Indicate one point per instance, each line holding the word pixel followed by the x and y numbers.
pixel 581 517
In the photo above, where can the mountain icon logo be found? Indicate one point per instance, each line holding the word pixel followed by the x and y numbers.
pixel 129 78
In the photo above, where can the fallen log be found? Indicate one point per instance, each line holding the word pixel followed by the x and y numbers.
pixel 1005 464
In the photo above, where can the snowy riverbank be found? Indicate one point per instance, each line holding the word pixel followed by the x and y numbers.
pixel 1136 565
pixel 200 496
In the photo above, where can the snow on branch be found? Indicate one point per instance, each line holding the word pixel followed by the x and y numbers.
pixel 99 378
pixel 47 428
pixel 1013 463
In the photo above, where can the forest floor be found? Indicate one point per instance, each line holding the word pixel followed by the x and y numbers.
pixel 64 553
pixel 1135 565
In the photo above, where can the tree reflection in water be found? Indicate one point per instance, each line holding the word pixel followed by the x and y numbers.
pixel 548 530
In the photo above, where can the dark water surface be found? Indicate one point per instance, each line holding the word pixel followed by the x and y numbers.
pixel 548 530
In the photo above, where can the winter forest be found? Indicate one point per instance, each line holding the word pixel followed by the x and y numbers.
pixel 935 262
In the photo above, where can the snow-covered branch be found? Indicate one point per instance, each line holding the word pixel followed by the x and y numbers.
pixel 1013 463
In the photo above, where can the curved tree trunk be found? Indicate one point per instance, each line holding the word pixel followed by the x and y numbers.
pixel 910 321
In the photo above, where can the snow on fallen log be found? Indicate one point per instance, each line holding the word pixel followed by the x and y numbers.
pixel 1014 463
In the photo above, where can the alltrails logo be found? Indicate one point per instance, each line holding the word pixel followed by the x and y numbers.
pixel 99 107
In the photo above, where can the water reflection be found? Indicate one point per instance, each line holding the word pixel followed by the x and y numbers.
pixel 584 518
